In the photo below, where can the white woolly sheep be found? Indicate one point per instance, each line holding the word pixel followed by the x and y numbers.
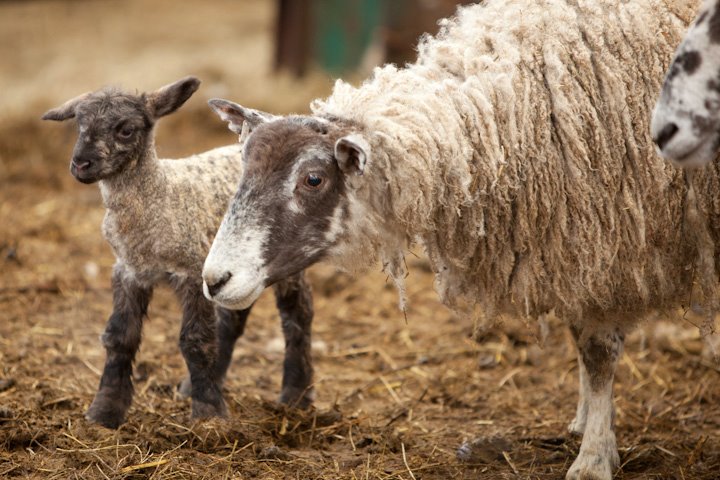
pixel 686 121
pixel 516 152
pixel 161 217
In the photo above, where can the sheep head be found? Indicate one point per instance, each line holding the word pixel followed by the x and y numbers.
pixel 686 121
pixel 292 207
pixel 116 128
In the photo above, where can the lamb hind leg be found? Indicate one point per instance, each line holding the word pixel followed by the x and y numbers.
pixel 121 339
pixel 230 327
pixel 600 349
pixel 294 302
pixel 198 344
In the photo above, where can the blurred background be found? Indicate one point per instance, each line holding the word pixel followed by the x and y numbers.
pixel 269 52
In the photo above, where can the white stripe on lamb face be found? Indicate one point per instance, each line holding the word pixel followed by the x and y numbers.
pixel 237 251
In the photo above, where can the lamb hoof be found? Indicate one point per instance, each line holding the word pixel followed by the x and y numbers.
pixel 208 410
pixel 593 466
pixel 107 411
pixel 297 398
pixel 185 387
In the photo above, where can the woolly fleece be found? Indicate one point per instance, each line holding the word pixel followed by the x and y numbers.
pixel 516 151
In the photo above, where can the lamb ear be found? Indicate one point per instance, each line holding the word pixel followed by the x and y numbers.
pixel 236 115
pixel 352 153
pixel 66 110
pixel 169 98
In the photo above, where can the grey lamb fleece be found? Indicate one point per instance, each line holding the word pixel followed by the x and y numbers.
pixel 160 221
pixel 188 198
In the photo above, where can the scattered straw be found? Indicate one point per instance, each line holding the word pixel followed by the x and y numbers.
pixel 402 446
pixel 143 466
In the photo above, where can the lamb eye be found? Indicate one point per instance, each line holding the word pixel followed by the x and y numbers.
pixel 126 131
pixel 313 180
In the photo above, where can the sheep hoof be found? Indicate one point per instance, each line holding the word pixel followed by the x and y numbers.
pixel 593 466
pixel 576 427
pixel 202 409
pixel 483 449
pixel 301 398
pixel 185 387
pixel 107 410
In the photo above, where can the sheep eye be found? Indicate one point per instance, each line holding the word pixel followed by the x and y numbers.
pixel 313 180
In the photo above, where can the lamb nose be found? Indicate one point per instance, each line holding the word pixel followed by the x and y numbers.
pixel 665 135
pixel 215 285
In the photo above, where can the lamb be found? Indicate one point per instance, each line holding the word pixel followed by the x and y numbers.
pixel 160 220
pixel 686 121
pixel 516 151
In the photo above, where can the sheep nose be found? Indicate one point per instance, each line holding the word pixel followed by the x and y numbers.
pixel 215 284
pixel 667 132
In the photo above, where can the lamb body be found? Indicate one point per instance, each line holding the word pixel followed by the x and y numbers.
pixel 188 198
pixel 516 151
pixel 161 216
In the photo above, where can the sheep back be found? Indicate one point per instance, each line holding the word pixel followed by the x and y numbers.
pixel 516 150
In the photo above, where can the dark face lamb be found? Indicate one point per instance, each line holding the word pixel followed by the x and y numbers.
pixel 115 128
pixel 292 205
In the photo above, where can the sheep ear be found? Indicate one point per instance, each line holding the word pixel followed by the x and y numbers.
pixel 169 98
pixel 238 116
pixel 66 110
pixel 352 153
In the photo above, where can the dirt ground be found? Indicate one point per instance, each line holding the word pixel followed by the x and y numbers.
pixel 395 398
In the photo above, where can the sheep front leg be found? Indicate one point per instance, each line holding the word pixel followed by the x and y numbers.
pixel 121 340
pixel 198 344
pixel 577 426
pixel 294 302
pixel 230 327
pixel 599 349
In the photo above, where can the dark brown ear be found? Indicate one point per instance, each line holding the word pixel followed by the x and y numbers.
pixel 66 110
pixel 236 115
pixel 352 153
pixel 169 98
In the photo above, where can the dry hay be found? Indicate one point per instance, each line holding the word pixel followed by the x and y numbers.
pixel 395 399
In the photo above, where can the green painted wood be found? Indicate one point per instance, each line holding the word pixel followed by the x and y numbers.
pixel 343 31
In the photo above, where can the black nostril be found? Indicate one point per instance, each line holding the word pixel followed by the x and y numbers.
pixel 665 135
pixel 219 284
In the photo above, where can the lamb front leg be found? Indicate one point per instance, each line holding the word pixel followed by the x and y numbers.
pixel 294 302
pixel 230 327
pixel 600 348
pixel 121 340
pixel 198 344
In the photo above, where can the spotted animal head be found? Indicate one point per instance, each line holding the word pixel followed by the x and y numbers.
pixel 115 128
pixel 686 122
pixel 293 203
